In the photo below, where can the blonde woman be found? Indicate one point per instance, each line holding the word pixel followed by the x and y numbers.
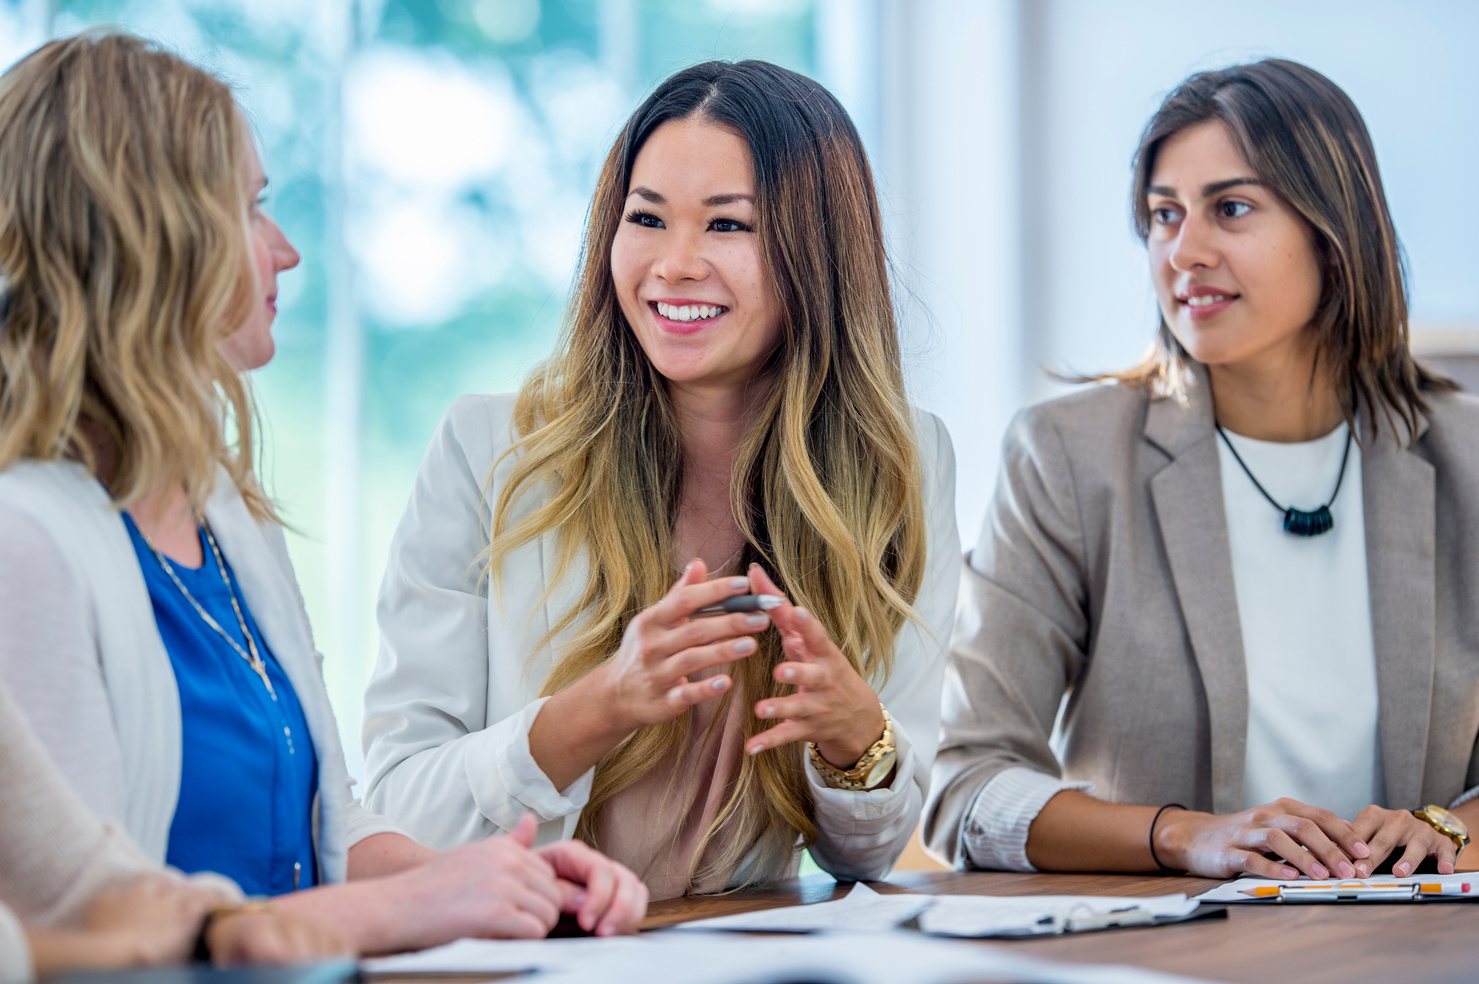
pixel 725 416
pixel 154 632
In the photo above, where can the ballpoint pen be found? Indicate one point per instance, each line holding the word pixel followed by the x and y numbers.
pixel 741 603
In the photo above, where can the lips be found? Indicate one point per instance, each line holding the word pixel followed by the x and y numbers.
pixel 1203 301
pixel 685 316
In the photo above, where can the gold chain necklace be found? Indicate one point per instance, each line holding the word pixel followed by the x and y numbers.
pixel 253 658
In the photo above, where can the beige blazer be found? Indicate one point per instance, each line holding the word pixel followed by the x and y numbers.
pixel 1104 573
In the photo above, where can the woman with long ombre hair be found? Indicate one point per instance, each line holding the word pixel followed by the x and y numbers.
pixel 153 629
pixel 724 417
pixel 1240 577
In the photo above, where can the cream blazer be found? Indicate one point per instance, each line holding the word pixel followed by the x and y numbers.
pixel 448 712
pixel 1104 574
pixel 92 673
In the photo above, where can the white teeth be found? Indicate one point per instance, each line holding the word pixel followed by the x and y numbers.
pixel 690 312
pixel 1206 299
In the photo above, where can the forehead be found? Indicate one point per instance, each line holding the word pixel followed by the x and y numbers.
pixel 1198 155
pixel 687 159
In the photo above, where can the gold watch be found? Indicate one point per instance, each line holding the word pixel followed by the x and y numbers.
pixel 870 770
pixel 1446 823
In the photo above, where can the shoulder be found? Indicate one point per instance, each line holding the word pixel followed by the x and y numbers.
pixel 1450 439
pixel 473 434
pixel 1098 422
pixel 935 449
pixel 31 561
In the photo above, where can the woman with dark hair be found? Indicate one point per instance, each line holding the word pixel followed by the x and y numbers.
pixel 1248 563
pixel 724 416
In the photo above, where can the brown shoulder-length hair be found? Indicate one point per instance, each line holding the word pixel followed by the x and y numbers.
pixel 123 239
pixel 827 483
pixel 1307 143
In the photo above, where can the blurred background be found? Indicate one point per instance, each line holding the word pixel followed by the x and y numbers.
pixel 433 161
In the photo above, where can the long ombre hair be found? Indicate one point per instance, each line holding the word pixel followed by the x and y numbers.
pixel 826 485
pixel 123 238
pixel 1306 141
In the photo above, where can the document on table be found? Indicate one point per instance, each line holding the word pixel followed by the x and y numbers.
pixel 1044 915
pixel 1463 887
pixel 719 958
pixel 861 910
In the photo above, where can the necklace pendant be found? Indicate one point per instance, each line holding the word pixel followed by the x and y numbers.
pixel 1297 522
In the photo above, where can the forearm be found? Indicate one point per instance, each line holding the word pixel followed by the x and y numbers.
pixel 1076 832
pixel 574 730
pixel 54 951
pixel 385 854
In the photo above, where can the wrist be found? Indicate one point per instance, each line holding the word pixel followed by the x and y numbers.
pixel 845 751
pixel 1173 835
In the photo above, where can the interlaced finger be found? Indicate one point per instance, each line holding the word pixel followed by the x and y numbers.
pixel 1309 835
pixel 1286 847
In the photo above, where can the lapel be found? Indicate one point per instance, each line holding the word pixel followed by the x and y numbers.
pixel 1399 488
pixel 1188 504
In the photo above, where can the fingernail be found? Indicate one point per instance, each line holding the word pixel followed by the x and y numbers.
pixel 1401 870
pixel 1346 871
pixel 719 683
pixel 765 711
pixel 802 615
pixel 788 674
pixel 688 568
pixel 755 749
pixel 579 899
pixel 753 565
pixel 1361 849
pixel 675 693
pixel 757 620
pixel 1445 867
pixel 744 645
pixel 1319 871
pixel 739 584
pixel 1362 870
pixel 1290 873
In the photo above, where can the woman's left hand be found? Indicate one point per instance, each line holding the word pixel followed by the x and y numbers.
pixel 832 706
pixel 1385 831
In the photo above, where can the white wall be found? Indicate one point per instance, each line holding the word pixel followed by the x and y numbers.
pixel 1008 159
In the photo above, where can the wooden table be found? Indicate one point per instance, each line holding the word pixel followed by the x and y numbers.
pixel 1306 944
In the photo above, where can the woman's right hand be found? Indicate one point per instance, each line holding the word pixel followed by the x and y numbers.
pixel 647 681
pixel 1312 841
pixel 152 921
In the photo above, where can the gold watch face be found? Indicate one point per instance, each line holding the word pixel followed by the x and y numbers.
pixel 881 768
pixel 1446 821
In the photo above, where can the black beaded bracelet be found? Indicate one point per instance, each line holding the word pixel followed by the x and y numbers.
pixel 1153 821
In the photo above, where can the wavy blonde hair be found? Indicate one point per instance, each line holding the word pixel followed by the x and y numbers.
pixel 123 237
pixel 826 484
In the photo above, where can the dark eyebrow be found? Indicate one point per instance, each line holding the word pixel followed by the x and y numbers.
pixel 1207 190
pixel 729 199
pixel 647 194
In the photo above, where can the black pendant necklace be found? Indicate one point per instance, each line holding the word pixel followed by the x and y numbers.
pixel 1297 521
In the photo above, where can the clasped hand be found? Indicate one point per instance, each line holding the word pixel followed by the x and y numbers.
pixel 1309 840
pixel 666 659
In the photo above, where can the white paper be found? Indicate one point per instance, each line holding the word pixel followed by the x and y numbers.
pixel 839 958
pixel 1233 891
pixel 862 910
pixel 504 956
pixel 1033 915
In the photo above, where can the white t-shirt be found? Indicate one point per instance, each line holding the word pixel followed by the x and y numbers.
pixel 1304 605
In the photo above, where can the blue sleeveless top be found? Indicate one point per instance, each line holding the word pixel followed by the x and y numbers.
pixel 248 769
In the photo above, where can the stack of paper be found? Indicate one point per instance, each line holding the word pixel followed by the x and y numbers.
pixel 718 958
pixel 1447 888
pixel 863 910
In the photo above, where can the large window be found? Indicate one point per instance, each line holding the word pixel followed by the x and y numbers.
pixel 433 161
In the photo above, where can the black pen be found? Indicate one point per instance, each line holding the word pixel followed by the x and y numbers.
pixel 741 603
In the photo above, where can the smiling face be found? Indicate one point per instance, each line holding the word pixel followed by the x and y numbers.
pixel 686 261
pixel 251 346
pixel 1236 271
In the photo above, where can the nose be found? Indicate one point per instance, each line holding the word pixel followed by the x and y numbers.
pixel 1194 248
pixel 680 259
pixel 285 256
